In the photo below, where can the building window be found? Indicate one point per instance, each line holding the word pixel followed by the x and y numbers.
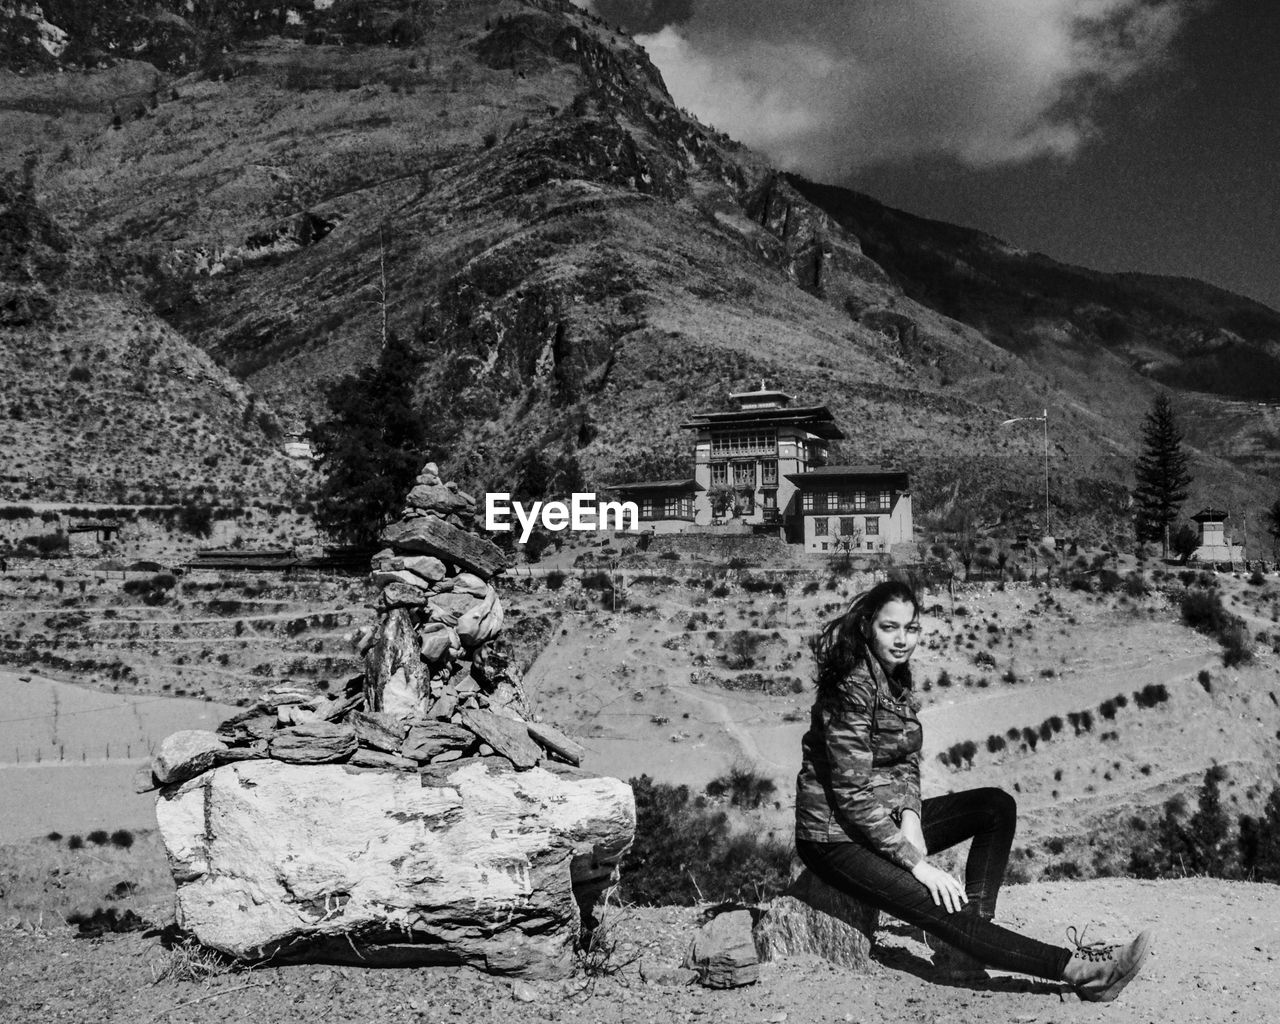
pixel 824 545
pixel 744 442
pixel 859 501
pixel 833 502
pixel 646 508
pixel 871 545
pixel 769 471
pixel 820 527
pixel 806 502
pixel 848 526
pixel 719 473
pixel 873 526
pixel 769 499
pixel 744 474
pixel 884 501
pixel 671 508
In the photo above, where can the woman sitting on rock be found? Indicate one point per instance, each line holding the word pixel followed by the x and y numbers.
pixel 862 828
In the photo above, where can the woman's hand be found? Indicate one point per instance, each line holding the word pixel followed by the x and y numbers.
pixel 945 890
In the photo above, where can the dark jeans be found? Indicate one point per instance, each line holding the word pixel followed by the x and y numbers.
pixel 989 817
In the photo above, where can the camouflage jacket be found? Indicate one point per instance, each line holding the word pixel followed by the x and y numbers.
pixel 861 767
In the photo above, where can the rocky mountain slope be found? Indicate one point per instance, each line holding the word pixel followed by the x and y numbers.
pixel 509 183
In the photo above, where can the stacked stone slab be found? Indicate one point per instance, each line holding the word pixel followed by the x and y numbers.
pixel 432 655
pixel 427 820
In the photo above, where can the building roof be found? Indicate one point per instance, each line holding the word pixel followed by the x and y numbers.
pixel 1209 515
pixel 816 419
pixel 834 474
pixel 656 485
pixel 763 396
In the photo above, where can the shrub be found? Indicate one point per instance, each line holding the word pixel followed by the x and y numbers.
pixel 1205 680
pixel 555 579
pixel 1202 610
pixel 197 520
pixel 995 744
pixel 122 838
pixel 745 787
pixel 685 851
pixel 1151 695
pixel 1237 647
pixel 1063 870
pixel 75 843
pixel 54 836
pixel 99 837
pixel 741 649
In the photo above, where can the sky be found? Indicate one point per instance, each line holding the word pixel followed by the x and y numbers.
pixel 1115 134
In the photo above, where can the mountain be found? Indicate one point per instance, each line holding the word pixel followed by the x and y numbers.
pixel 583 263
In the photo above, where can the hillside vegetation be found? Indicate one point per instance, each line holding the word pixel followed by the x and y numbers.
pixel 582 264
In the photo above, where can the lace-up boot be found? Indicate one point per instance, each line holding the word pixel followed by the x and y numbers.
pixel 1099 972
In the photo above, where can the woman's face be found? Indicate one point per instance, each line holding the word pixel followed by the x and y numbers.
pixel 894 633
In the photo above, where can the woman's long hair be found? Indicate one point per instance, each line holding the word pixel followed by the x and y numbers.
pixel 842 644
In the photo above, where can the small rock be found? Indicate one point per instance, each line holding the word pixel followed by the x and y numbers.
pixel 523 992
pixel 185 754
pixel 430 569
pixel 508 738
pixel 426 740
pixel 314 743
pixel 723 951
pixel 379 730
pixel 664 974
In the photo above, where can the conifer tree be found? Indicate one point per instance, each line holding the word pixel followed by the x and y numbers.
pixel 1161 472
pixel 370 446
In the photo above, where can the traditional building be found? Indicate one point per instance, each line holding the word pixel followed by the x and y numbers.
pixel 743 457
pixel 851 508
pixel 665 506
pixel 761 467
pixel 1214 544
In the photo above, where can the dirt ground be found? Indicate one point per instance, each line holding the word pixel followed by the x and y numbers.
pixel 1213 959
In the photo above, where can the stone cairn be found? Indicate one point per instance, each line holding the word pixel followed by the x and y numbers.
pixel 417 817
pixel 435 688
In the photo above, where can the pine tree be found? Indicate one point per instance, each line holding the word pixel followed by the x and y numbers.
pixel 1162 474
pixel 370 446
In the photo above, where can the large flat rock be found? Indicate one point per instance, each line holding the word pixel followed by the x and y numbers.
pixel 485 866
pixel 431 536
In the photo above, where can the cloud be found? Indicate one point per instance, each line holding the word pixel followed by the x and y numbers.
pixel 643 16
pixel 826 87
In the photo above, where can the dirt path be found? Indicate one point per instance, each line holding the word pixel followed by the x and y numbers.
pixel 974 717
